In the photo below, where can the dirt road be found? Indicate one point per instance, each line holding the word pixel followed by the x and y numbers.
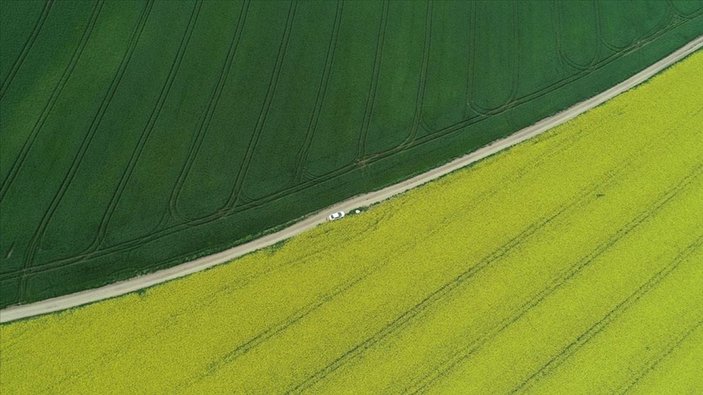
pixel 120 288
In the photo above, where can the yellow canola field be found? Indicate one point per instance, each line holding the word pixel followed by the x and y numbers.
pixel 571 263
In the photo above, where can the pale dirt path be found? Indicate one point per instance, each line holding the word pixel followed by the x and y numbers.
pixel 120 288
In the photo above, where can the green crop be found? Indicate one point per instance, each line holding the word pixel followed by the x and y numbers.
pixel 139 134
pixel 570 263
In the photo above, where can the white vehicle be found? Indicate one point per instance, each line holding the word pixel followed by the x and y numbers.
pixel 335 216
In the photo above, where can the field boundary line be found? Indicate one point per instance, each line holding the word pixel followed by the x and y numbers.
pixel 130 244
pixel 123 287
pixel 436 296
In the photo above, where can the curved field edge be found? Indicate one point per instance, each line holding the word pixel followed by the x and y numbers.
pixel 356 204
pixel 569 263
pixel 178 184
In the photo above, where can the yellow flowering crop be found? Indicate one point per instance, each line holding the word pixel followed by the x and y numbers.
pixel 571 263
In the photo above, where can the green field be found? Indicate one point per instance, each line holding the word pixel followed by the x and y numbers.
pixel 569 264
pixel 140 134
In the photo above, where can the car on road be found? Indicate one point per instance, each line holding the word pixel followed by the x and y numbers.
pixel 335 216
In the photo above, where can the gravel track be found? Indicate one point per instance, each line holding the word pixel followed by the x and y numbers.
pixel 123 287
